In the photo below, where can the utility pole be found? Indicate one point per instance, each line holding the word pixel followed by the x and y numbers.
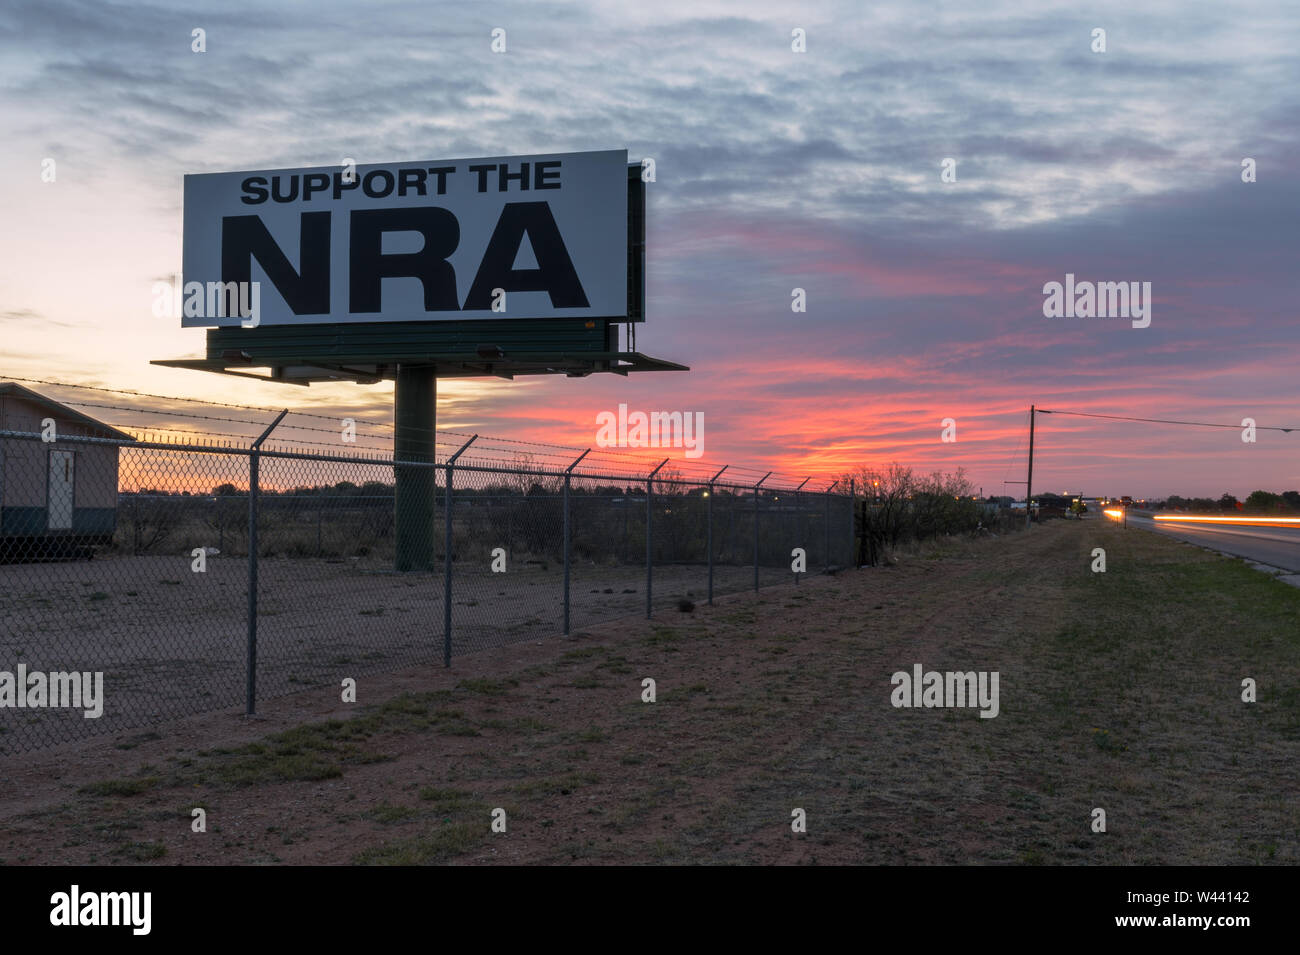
pixel 1029 479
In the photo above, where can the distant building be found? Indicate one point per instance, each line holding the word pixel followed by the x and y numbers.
pixel 56 497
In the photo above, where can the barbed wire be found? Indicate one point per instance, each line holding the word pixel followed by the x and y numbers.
pixel 202 401
pixel 308 414
pixel 555 456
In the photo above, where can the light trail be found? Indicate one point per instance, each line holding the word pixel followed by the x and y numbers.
pixel 1246 521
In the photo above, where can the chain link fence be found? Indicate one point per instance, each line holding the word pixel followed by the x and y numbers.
pixel 195 578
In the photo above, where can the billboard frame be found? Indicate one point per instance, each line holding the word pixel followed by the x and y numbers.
pixel 369 352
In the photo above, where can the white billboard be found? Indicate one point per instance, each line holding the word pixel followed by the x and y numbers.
pixel 501 237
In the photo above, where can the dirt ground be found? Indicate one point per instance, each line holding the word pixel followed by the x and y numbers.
pixel 173 643
pixel 1118 690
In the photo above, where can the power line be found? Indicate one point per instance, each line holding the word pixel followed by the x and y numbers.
pixel 1015 455
pixel 1194 424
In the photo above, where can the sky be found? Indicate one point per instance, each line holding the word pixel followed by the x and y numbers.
pixel 775 170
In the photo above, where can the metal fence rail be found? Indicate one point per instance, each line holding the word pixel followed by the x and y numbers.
pixel 196 578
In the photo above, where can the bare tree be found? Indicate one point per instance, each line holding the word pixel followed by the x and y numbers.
pixel 151 518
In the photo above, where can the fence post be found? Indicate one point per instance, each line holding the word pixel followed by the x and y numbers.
pixel 710 538
pixel 827 494
pixel 649 520
pixel 449 470
pixel 250 688
pixel 567 473
pixel 731 527
pixel 853 530
pixel 756 487
pixel 799 523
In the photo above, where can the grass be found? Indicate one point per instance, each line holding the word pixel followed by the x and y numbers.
pixel 310 752
pixel 120 787
pixel 446 800
pixel 526 725
pixel 143 851
pixel 662 636
pixel 450 823
pixel 387 814
pixel 583 653
pixel 1119 691
pixel 488 687
pixel 441 842
pixel 560 785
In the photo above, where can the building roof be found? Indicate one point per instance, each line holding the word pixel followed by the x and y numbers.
pixel 13 390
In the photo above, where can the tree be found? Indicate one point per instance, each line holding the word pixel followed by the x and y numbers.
pixel 888 492
pixel 226 514
pixel 376 489
pixel 1262 501
pixel 150 520
pixel 1227 502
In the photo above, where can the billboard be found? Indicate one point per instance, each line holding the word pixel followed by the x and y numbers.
pixel 504 237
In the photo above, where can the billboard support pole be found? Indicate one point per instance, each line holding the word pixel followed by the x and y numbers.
pixel 415 400
pixel 253 461
pixel 568 472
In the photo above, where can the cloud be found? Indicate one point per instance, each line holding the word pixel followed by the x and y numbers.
pixel 775 170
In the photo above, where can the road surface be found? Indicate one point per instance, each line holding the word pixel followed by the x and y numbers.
pixel 1276 546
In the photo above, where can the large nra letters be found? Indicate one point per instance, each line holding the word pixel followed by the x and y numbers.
pixel 521 237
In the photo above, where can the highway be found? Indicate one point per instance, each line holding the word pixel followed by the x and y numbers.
pixel 1277 546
